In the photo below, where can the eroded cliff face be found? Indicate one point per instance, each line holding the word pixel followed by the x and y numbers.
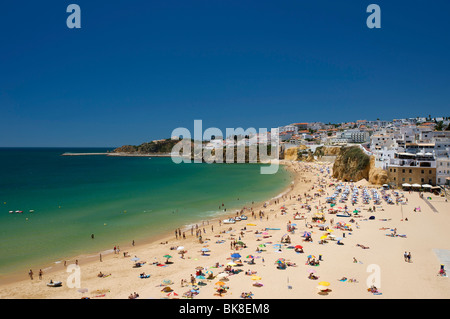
pixel 331 151
pixel 292 154
pixel 352 164
pixel 377 176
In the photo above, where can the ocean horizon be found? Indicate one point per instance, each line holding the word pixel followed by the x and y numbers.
pixel 51 205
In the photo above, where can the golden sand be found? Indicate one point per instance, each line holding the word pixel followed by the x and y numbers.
pixel 382 262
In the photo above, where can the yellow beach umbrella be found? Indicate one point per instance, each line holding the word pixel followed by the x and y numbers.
pixel 324 237
pixel 324 283
pixel 255 277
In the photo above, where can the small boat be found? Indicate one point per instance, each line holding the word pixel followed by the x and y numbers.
pixel 11 211
pixel 54 284
pixel 19 211
pixel 344 214
pixel 243 217
pixel 237 218
pixel 229 221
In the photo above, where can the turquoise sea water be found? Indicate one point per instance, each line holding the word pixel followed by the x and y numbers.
pixel 118 199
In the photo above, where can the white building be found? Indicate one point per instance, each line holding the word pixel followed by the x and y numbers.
pixel 443 170
pixel 354 136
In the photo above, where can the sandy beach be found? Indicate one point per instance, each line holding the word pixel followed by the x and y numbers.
pixel 371 251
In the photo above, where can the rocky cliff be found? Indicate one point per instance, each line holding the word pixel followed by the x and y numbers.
pixel 352 164
pixel 299 153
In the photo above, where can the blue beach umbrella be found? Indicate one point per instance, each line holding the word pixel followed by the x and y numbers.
pixel 235 255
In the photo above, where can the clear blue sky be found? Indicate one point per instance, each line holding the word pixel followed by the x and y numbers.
pixel 136 70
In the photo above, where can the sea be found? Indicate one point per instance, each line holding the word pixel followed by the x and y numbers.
pixel 54 207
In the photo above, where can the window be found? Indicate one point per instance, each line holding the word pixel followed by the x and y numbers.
pixel 410 171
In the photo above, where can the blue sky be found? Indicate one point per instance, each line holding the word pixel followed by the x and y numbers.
pixel 136 70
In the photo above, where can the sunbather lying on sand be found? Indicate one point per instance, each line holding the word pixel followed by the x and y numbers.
pixel 362 246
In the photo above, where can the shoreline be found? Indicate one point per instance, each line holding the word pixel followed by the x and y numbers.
pixel 52 267
pixel 119 154
pixel 422 234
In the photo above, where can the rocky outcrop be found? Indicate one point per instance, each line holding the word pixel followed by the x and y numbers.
pixel 291 154
pixel 299 153
pixel 352 164
pixel 331 151
pixel 377 176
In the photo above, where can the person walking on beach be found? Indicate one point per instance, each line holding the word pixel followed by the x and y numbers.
pixel 40 274
pixel 30 273
pixel 405 256
pixel 409 257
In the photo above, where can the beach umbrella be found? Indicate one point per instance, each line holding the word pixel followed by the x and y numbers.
pixel 135 259
pixel 235 255
pixel 200 277
pixel 250 256
pixel 205 249
pixel 220 283
pixel 254 277
pixel 180 248
pixel 324 283
pixel 222 275
pixel 323 237
pixel 299 247
pixel 172 294
pixel 167 256
pixel 322 288
pixel 167 289
pixel 231 264
pixel 167 282
pixel 311 271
